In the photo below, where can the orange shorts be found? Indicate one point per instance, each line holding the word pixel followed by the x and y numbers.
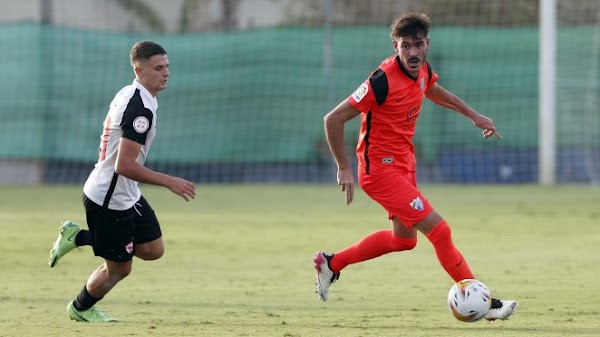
pixel 398 194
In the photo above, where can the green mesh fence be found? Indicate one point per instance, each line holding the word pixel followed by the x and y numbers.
pixel 258 96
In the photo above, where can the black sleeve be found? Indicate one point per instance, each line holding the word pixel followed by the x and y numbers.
pixel 137 119
pixel 379 84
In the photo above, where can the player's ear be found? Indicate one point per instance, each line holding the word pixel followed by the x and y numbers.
pixel 137 69
pixel 395 44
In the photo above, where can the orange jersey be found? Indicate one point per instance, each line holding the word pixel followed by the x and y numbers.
pixel 390 102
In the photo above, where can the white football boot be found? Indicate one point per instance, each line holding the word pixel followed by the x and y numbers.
pixel 325 276
pixel 501 309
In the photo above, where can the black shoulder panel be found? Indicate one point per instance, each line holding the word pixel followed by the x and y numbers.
pixel 380 86
pixel 137 119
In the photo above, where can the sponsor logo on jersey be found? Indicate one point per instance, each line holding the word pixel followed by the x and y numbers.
pixel 417 204
pixel 141 124
pixel 387 160
pixel 361 92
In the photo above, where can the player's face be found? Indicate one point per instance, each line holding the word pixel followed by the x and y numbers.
pixel 412 51
pixel 153 73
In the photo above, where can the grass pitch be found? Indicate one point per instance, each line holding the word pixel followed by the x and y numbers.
pixel 238 262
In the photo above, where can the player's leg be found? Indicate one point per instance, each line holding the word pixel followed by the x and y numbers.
pixel 376 244
pixel 439 234
pixel 383 189
pixel 401 230
pixel 114 235
pixel 373 245
pixel 100 282
pixel 105 277
pixel 149 244
pixel 149 251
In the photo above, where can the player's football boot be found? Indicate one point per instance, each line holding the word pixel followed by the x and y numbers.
pixel 501 309
pixel 93 314
pixel 325 276
pixel 64 243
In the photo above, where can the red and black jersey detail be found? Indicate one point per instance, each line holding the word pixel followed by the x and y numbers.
pixel 366 140
pixel 429 73
pixel 404 69
pixel 380 86
pixel 390 101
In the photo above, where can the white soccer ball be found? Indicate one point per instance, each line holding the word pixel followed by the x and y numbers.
pixel 469 300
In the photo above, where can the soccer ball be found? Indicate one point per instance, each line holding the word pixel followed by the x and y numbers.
pixel 469 300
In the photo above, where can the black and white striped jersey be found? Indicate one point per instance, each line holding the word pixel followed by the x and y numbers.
pixel 132 115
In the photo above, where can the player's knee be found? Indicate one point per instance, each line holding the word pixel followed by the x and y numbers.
pixel 399 243
pixel 125 272
pixel 119 272
pixel 150 255
pixel 155 255
pixel 149 251
pixel 440 232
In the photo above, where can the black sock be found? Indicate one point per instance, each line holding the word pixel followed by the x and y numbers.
pixel 84 300
pixel 83 238
pixel 496 304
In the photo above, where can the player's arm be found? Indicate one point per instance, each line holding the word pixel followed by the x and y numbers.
pixel 442 97
pixel 127 166
pixel 334 131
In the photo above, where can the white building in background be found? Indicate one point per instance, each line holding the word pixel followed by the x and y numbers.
pixel 201 15
pixel 109 15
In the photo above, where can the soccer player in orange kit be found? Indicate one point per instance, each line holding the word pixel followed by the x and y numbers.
pixel 389 103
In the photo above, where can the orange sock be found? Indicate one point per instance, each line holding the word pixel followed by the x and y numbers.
pixel 450 258
pixel 371 246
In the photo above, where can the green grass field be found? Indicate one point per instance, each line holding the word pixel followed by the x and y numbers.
pixel 239 263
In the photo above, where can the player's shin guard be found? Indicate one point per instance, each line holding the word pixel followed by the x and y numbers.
pixel 450 258
pixel 371 246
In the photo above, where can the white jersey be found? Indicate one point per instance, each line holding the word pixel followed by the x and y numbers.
pixel 132 115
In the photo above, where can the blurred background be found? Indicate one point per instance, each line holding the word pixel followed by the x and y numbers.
pixel 252 79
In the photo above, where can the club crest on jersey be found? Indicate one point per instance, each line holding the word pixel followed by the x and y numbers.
pixel 417 204
pixel 141 124
pixel 422 83
pixel 361 92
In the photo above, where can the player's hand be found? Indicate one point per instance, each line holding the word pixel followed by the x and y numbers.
pixel 183 188
pixel 486 123
pixel 345 179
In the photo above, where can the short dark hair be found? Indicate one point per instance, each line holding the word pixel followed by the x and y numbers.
pixel 410 24
pixel 144 50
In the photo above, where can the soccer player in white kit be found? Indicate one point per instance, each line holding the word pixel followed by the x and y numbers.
pixel 121 222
